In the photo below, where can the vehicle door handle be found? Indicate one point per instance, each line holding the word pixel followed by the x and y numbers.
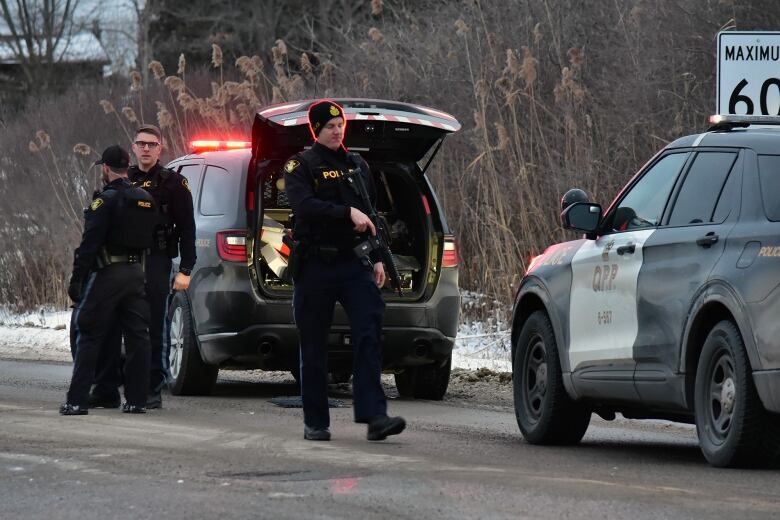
pixel 626 249
pixel 707 240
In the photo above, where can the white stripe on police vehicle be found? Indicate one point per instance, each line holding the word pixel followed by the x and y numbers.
pixel 603 310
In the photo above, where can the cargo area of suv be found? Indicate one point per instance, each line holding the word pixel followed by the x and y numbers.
pixel 398 152
pixel 402 203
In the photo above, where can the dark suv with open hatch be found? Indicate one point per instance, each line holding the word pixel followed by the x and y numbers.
pixel 237 312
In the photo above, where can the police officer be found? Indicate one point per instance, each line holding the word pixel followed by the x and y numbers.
pixel 329 221
pixel 175 235
pixel 107 283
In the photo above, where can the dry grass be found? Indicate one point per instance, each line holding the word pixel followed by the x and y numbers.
pixel 551 95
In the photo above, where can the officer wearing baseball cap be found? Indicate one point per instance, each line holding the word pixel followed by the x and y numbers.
pixel 330 220
pixel 107 283
pixel 174 236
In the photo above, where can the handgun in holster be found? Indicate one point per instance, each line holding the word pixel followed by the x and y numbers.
pixel 295 260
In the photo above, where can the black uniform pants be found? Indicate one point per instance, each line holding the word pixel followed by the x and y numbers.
pixel 112 295
pixel 158 290
pixel 108 370
pixel 316 290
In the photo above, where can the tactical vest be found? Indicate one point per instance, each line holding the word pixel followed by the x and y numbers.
pixel 157 187
pixel 134 220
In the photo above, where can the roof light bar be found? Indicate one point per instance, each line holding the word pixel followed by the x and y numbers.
pixel 734 120
pixel 205 145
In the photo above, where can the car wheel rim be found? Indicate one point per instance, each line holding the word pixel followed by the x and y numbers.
pixel 721 396
pixel 535 380
pixel 177 342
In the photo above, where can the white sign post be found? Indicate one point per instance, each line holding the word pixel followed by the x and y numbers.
pixel 748 73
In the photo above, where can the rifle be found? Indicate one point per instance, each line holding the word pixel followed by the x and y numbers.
pixel 380 242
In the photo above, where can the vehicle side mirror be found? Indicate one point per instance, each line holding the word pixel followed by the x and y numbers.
pixel 582 216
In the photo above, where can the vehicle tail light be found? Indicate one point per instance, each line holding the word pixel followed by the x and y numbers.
pixel 450 257
pixel 231 245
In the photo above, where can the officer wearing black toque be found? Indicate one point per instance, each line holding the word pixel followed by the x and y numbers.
pixel 107 284
pixel 329 221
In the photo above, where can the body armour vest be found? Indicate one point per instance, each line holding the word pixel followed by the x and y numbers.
pixel 135 219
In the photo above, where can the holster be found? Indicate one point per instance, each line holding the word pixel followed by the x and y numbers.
pixel 295 260
pixel 171 242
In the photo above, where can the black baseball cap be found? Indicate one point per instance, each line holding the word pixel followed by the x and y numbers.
pixel 115 157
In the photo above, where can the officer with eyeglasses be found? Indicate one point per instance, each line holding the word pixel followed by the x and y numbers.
pixel 174 236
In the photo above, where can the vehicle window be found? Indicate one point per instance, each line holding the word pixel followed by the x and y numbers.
pixel 702 188
pixel 769 173
pixel 192 173
pixel 644 204
pixel 726 200
pixel 215 193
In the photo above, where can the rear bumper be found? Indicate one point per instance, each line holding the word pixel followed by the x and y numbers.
pixel 275 347
pixel 768 386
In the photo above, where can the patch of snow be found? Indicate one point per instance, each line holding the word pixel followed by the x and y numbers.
pixel 43 334
pixel 482 343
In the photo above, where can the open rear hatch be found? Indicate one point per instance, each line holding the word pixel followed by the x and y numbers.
pixel 398 140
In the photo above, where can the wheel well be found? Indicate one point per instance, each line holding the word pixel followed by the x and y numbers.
pixel 707 317
pixel 529 304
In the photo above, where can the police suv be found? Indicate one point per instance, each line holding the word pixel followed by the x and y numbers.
pixel 237 312
pixel 669 306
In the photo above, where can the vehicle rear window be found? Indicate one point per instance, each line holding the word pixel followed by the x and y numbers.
pixel 769 173
pixel 216 192
pixel 702 188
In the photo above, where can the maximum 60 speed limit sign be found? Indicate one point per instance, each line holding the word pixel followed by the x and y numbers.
pixel 749 73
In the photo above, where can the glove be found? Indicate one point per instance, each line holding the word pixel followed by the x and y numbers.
pixel 75 288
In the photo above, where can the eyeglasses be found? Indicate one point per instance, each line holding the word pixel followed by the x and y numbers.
pixel 147 144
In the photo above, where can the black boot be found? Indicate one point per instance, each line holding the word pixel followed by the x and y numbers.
pixel 72 409
pixel 381 427
pixel 316 434
pixel 131 408
pixel 154 401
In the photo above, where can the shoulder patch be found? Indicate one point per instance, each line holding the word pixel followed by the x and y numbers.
pixel 96 204
pixel 185 183
pixel 291 165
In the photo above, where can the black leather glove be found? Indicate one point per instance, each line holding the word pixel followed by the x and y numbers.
pixel 75 288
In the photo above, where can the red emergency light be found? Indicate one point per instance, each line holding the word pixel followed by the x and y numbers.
pixel 209 145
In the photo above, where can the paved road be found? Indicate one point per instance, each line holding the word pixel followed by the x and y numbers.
pixel 235 455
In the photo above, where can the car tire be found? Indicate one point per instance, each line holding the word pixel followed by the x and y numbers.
pixel 404 382
pixel 190 375
pixel 432 381
pixel 544 411
pixel 733 427
pixel 425 382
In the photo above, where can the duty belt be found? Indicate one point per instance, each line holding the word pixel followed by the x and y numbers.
pixel 328 253
pixel 105 259
pixel 128 259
